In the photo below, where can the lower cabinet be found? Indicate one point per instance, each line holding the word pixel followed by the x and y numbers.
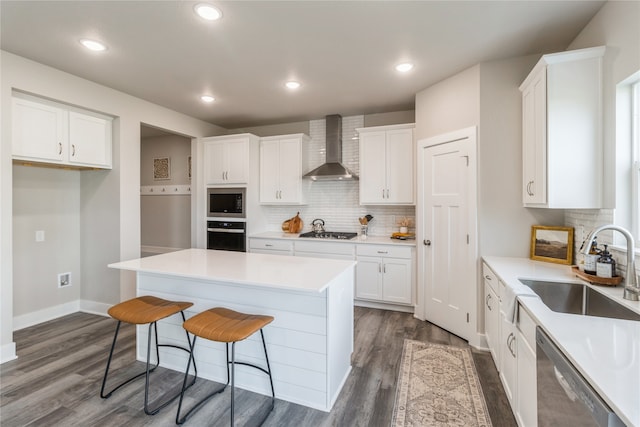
pixel 492 322
pixel 384 274
pixel 526 394
pixel 509 359
pixel 271 246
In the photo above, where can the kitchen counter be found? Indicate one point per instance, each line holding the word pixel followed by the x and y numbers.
pixel 310 341
pixel 370 240
pixel 605 351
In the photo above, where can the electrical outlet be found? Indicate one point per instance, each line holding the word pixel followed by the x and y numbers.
pixel 40 236
pixel 64 279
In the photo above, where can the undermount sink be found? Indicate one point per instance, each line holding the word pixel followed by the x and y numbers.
pixel 576 298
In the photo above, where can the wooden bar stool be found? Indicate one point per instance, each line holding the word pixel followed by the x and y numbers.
pixel 227 326
pixel 141 311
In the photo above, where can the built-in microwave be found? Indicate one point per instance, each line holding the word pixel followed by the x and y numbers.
pixel 226 202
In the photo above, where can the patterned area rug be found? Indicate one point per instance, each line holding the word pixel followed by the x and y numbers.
pixel 438 386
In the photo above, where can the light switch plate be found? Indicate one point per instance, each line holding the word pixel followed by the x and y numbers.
pixel 40 236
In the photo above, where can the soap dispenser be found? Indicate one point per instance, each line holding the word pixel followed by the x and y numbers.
pixel 606 265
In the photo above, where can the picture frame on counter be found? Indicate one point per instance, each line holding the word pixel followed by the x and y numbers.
pixel 552 244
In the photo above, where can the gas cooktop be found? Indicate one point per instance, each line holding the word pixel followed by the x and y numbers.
pixel 329 235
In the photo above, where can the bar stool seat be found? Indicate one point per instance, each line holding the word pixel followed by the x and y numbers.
pixel 140 311
pixel 228 326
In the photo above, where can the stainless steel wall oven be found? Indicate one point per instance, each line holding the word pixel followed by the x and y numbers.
pixel 227 235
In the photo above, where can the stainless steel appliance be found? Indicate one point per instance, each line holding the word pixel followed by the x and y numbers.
pixel 227 235
pixel 226 202
pixel 564 396
pixel 329 235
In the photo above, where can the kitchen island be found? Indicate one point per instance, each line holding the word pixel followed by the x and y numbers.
pixel 310 341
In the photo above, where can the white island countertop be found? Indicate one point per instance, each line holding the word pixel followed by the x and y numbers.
pixel 606 351
pixel 240 268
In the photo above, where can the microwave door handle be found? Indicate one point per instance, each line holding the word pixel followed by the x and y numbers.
pixel 226 230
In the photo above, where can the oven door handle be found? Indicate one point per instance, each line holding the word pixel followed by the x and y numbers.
pixel 226 230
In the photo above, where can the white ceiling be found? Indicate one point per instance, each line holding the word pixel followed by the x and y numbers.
pixel 343 52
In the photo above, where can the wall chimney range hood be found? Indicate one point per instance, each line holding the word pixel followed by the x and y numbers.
pixel 332 169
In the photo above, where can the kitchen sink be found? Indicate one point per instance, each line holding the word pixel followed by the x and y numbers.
pixel 576 298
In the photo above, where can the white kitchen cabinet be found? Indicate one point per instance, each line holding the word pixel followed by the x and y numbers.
pixel 526 395
pixel 509 359
pixel 271 246
pixel 492 321
pixel 282 163
pixel 384 273
pixel 226 159
pixel 387 171
pixel 562 131
pixel 47 132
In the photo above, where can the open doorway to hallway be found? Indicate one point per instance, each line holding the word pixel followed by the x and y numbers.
pixel 165 194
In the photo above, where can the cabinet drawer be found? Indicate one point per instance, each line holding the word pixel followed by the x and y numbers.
pixel 490 278
pixel 527 326
pixel 384 251
pixel 271 244
pixel 325 247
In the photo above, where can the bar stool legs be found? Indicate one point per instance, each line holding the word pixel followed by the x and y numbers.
pixel 226 326
pixel 153 314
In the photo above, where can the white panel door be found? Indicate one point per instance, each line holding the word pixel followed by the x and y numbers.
pixel 38 130
pixel 369 278
pixel 269 171
pixel 447 256
pixel 373 167
pixel 214 162
pixel 400 175
pixel 396 285
pixel 237 158
pixel 290 170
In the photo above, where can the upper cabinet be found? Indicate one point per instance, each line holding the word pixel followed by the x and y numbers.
pixel 46 132
pixel 387 171
pixel 226 159
pixel 282 163
pixel 562 131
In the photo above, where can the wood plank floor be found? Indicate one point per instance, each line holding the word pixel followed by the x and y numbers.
pixel 57 377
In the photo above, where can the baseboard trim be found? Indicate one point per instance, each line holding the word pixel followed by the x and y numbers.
pixel 384 306
pixel 44 315
pixel 8 352
pixel 93 307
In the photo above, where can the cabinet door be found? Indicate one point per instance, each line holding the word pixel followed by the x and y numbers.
pixel 269 171
pixel 508 358
pixel 38 131
pixel 290 170
pixel 396 280
pixel 373 180
pixel 400 166
pixel 89 140
pixel 534 140
pixel 215 162
pixel 527 407
pixel 369 278
pixel 237 158
pixel 492 322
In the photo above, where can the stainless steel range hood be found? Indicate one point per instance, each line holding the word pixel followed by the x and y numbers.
pixel 332 169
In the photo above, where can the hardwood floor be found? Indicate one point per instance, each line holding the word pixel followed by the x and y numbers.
pixel 57 377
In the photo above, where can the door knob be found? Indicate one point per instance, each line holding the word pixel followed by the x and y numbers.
pixel 427 242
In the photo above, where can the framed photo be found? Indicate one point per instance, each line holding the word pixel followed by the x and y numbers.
pixel 552 244
pixel 161 169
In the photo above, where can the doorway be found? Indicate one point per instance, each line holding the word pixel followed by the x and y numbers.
pixel 447 231
pixel 165 191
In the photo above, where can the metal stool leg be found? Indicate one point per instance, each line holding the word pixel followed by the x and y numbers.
pixel 181 420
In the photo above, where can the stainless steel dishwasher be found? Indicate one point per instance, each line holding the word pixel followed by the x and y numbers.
pixel 564 396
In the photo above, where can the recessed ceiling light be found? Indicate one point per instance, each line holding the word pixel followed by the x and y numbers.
pixel 292 85
pixel 94 45
pixel 207 98
pixel 404 67
pixel 208 12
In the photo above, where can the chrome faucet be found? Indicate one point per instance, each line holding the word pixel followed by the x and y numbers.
pixel 631 288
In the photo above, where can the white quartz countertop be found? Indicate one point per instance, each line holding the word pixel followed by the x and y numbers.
pixel 605 351
pixel 241 268
pixel 369 240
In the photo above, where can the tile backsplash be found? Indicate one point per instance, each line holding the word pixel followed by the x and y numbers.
pixel 337 202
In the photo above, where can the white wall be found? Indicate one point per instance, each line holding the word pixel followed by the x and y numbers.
pixel 109 200
pixel 616 27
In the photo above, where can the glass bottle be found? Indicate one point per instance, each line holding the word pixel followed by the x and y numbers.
pixel 591 259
